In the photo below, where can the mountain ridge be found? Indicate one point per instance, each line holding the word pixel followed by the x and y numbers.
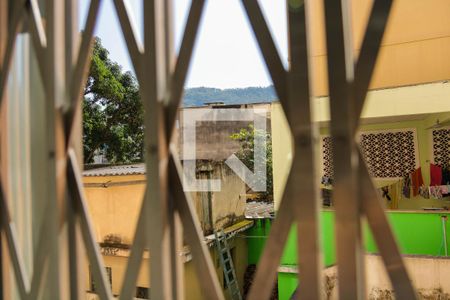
pixel 199 96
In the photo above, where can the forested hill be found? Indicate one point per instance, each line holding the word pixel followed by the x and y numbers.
pixel 201 95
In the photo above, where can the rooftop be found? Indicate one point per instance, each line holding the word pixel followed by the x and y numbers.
pixel 134 169
pixel 259 210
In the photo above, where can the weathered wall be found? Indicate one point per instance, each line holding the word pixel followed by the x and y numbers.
pixel 228 205
pixel 428 274
pixel 115 209
pixel 219 209
pixel 193 290
pixel 212 139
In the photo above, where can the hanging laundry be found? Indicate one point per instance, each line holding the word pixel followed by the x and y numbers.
pixel 445 190
pixel 445 176
pixel 326 181
pixel 435 175
pixel 395 191
pixel 435 192
pixel 424 191
pixel 406 188
pixel 326 197
pixel 416 180
pixel 385 193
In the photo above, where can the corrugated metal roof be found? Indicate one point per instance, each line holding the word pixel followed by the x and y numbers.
pixel 134 169
pixel 259 210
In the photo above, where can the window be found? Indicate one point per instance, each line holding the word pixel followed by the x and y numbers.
pixel 108 278
pixel 387 153
pixel 441 146
pixel 142 292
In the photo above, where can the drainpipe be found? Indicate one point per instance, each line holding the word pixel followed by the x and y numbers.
pixel 444 233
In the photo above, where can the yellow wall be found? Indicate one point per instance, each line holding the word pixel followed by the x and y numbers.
pixel 282 151
pixel 415 46
pixel 115 210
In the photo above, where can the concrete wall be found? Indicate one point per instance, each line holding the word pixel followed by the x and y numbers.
pixel 282 151
pixel 429 276
pixel 415 46
pixel 193 290
pixel 212 140
pixel 114 209
pixel 222 208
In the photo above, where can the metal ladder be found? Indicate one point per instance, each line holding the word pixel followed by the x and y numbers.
pixel 227 264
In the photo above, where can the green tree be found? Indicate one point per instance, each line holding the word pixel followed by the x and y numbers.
pixel 112 111
pixel 246 153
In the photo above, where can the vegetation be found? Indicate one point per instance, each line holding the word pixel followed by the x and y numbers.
pixel 112 111
pixel 246 138
pixel 200 96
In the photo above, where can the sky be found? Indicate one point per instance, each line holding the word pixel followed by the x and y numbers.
pixel 226 54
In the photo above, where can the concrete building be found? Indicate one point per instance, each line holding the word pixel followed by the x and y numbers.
pixel 115 196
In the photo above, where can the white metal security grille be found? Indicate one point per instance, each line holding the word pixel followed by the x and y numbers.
pixel 390 153
pixel 167 212
pixel 441 146
pixel 387 153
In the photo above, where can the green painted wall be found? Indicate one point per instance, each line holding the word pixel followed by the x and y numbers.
pixel 287 283
pixel 256 239
pixel 416 232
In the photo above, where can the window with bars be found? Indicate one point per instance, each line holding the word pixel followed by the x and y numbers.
pixel 441 146
pixel 142 292
pixel 108 277
pixel 387 153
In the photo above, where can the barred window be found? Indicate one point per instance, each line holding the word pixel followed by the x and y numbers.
pixel 387 153
pixel 441 146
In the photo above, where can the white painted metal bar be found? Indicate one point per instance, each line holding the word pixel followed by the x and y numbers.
pixel 183 61
pixel 140 242
pixel 349 248
pixel 14 28
pixel 82 63
pixel 384 237
pixel 267 270
pixel 203 263
pixel 53 68
pixel 40 258
pixel 267 47
pixel 303 183
pixel 135 48
pixel 75 186
pixel 153 86
pixel 13 249
pixel 173 220
pixel 370 49
pixel 37 31
pixel 71 45
pixel 4 18
pixel 372 206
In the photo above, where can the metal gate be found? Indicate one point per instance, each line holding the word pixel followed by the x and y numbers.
pixel 167 213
